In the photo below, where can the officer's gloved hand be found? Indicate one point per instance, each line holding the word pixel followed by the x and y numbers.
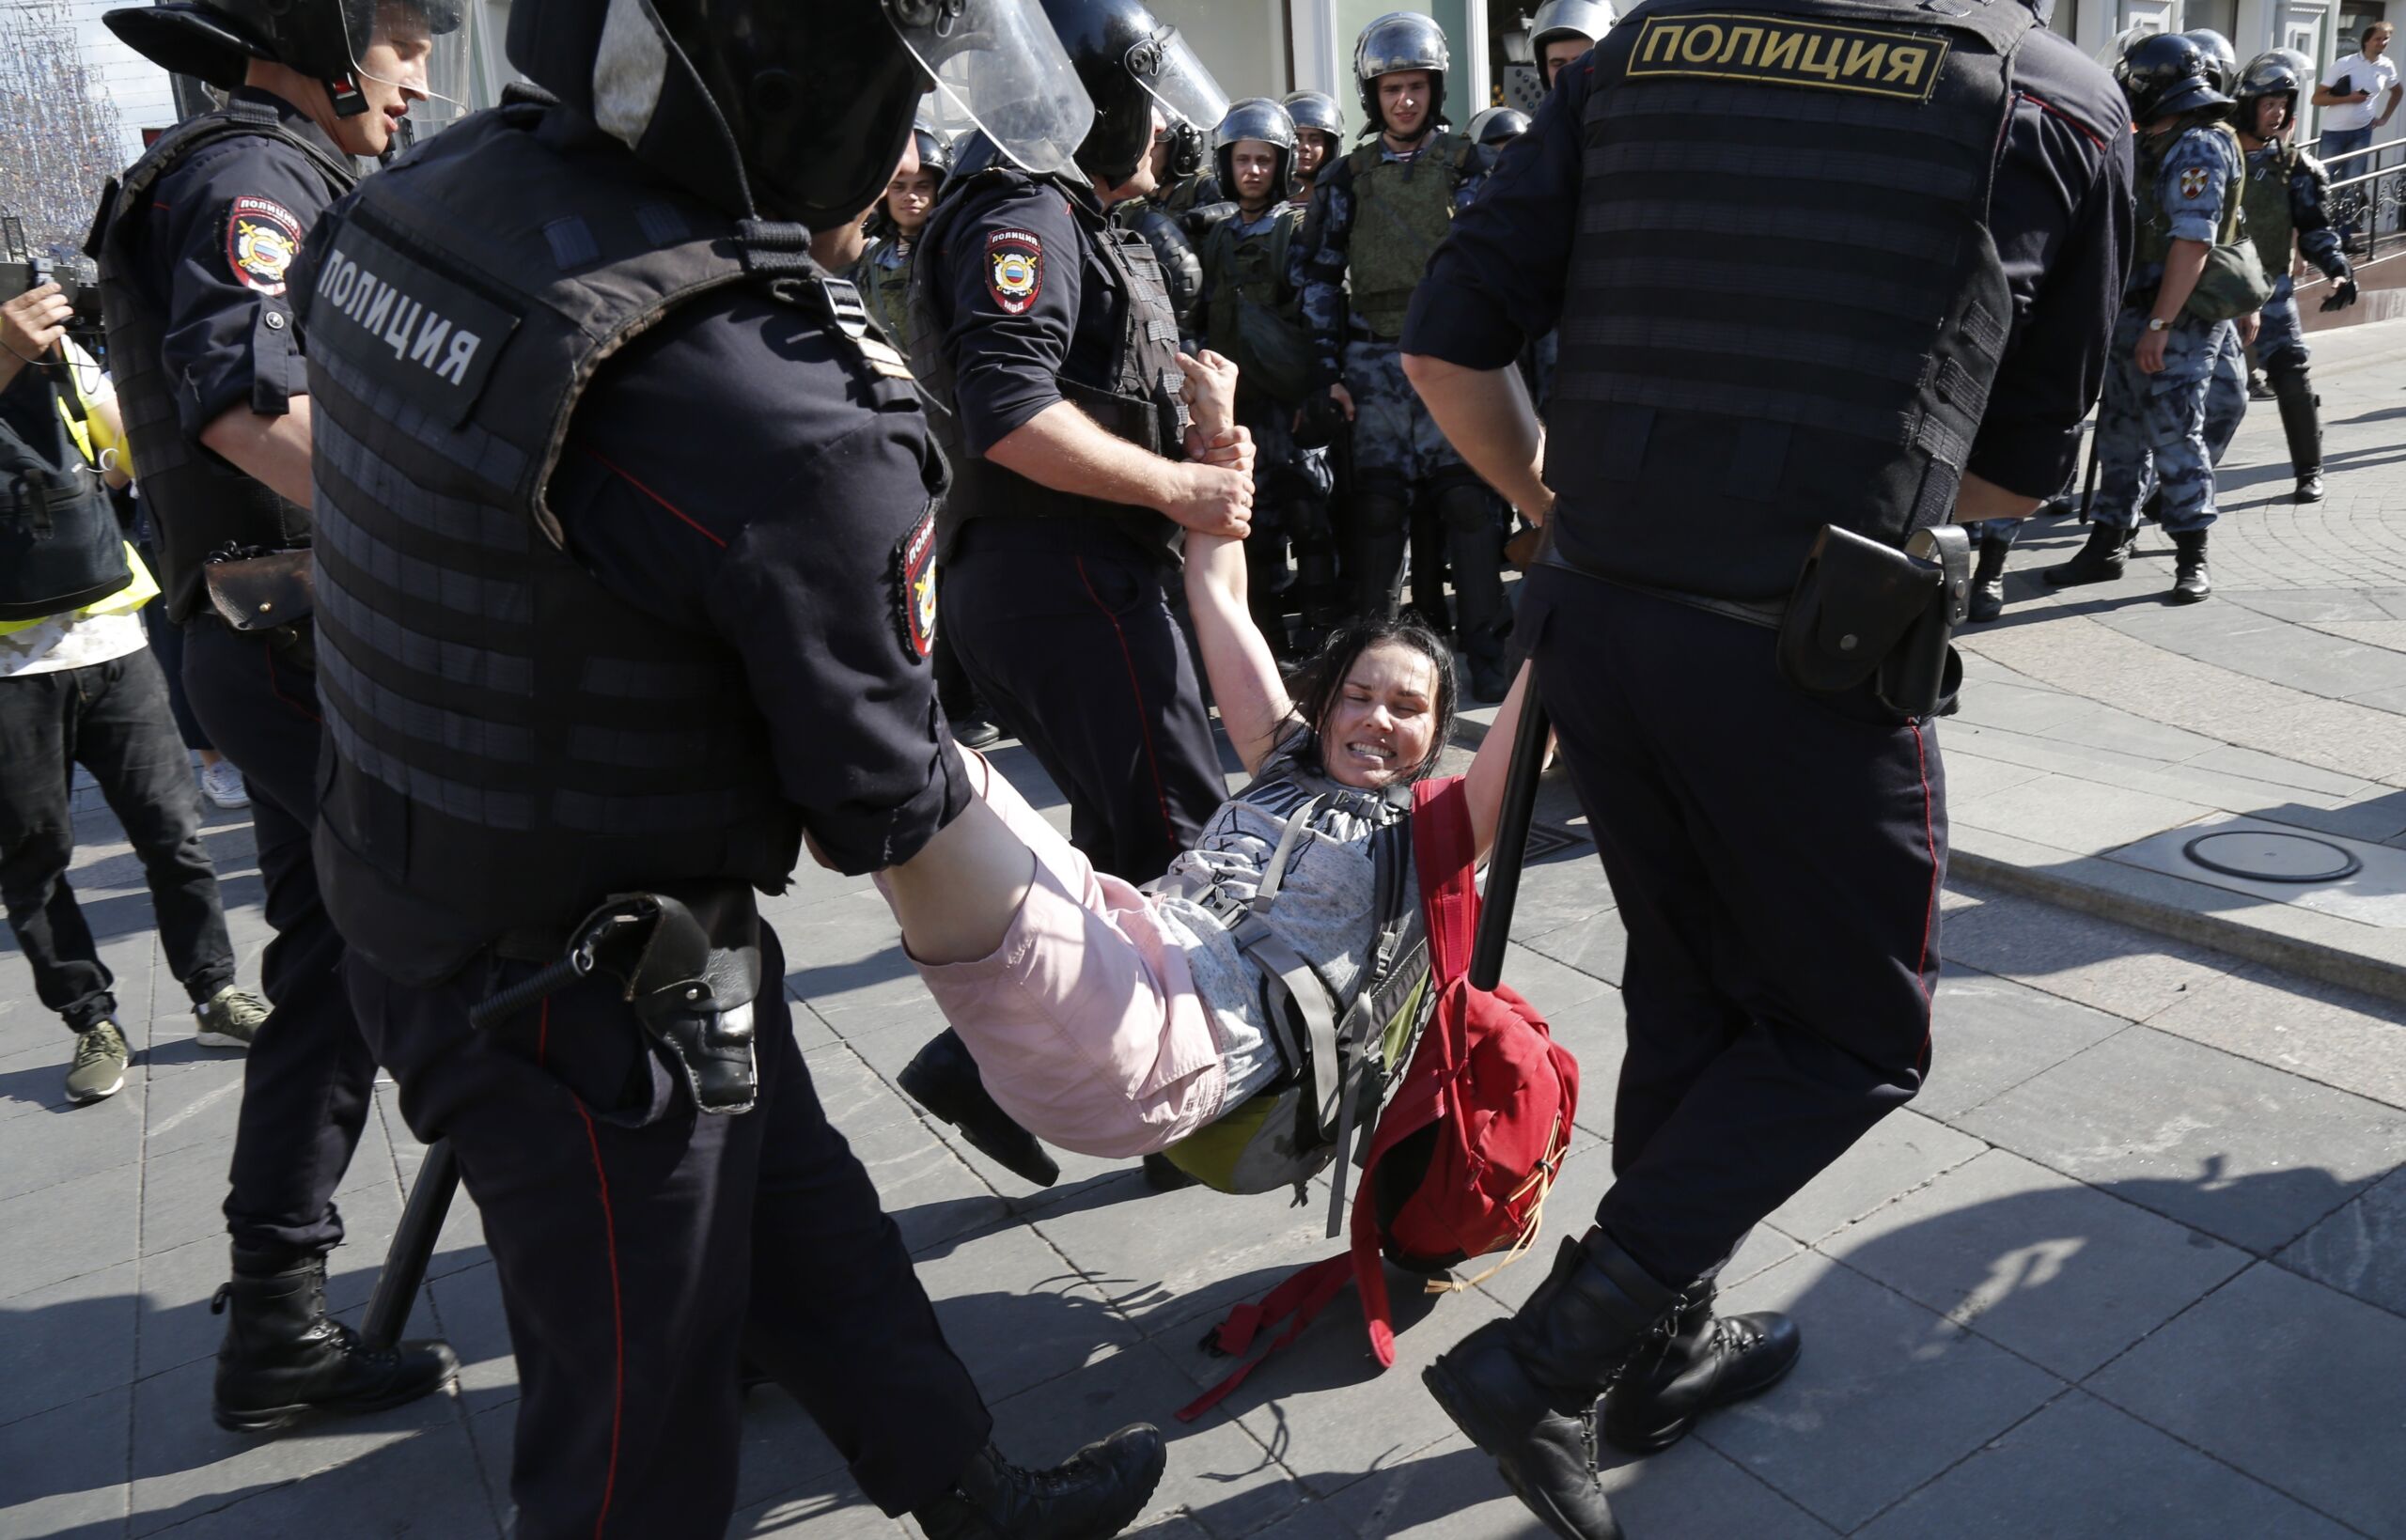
pixel 1318 422
pixel 2343 294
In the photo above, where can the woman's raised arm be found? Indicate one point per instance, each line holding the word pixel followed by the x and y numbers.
pixel 1246 681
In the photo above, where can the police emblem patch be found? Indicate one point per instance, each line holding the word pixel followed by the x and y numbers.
pixel 1014 269
pixel 2193 182
pixel 262 238
pixel 914 587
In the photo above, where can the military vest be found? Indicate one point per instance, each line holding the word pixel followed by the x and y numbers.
pixel 198 502
pixel 2271 221
pixel 1139 398
pixel 886 290
pixel 60 547
pixel 510 743
pixel 2152 233
pixel 1785 307
pixel 1254 316
pixel 1401 211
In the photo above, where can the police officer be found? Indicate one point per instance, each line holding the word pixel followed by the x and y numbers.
pixel 587 688
pixel 1562 31
pixel 1043 331
pixel 2285 194
pixel 2150 422
pixel 197 245
pixel 884 272
pixel 1376 218
pixel 1319 135
pixel 1496 127
pixel 1691 466
pixel 1248 313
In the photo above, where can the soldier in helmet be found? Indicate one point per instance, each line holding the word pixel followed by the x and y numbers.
pixel 1045 332
pixel 1564 30
pixel 884 272
pixel 1248 311
pixel 1377 216
pixel 590 689
pixel 1319 135
pixel 197 244
pixel 2285 194
pixel 2150 421
pixel 1496 127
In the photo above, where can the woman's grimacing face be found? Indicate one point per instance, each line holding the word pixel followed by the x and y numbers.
pixel 1383 720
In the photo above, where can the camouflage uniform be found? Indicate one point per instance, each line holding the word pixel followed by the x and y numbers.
pixel 883 276
pixel 2285 193
pixel 2153 427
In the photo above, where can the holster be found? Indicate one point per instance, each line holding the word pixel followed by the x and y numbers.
pixel 255 590
pixel 1863 611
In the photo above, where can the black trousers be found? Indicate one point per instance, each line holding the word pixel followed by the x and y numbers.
pixel 113 719
pixel 639 1243
pixel 1778 860
pixel 1066 626
pixel 306 1086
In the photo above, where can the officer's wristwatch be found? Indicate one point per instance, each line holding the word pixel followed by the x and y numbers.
pixel 2155 325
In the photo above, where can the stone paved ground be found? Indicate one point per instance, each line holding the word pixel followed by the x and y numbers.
pixel 2135 1266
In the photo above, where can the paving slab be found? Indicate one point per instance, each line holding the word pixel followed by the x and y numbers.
pixel 2065 1474
pixel 2295 1384
pixel 63 1473
pixel 2361 1250
pixel 1902 1152
pixel 2036 1261
pixel 99 1313
pixel 1880 1374
pixel 1988 1034
pixel 2345 1040
pixel 2244 1153
pixel 2117 969
pixel 69 1229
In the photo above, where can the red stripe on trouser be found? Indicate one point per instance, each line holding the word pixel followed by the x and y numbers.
pixel 617 1314
pixel 1137 688
pixel 1930 916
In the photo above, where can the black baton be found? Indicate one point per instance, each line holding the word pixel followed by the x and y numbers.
pixel 2089 483
pixel 412 1248
pixel 1511 840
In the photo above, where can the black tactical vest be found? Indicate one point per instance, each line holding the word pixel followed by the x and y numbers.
pixel 510 741
pixel 60 547
pixel 198 502
pixel 1138 399
pixel 1785 309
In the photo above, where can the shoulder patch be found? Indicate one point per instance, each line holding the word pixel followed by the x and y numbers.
pixel 2193 182
pixel 914 587
pixel 262 238
pixel 1787 51
pixel 1014 269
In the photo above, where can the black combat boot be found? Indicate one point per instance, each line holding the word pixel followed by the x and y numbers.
pixel 2258 388
pixel 2101 560
pixel 943 1079
pixel 2191 582
pixel 1988 579
pixel 2302 424
pixel 1094 1493
pixel 1703 1361
pixel 1524 1389
pixel 284 1355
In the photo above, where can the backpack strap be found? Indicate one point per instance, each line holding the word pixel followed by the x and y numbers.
pixel 1446 846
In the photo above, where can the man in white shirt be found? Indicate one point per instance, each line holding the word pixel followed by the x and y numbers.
pixel 78 686
pixel 2356 94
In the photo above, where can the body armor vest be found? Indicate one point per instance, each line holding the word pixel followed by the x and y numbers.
pixel 2151 229
pixel 886 290
pixel 59 545
pixel 1253 316
pixel 198 502
pixel 1140 398
pixel 510 741
pixel 1785 310
pixel 1401 211
pixel 2271 221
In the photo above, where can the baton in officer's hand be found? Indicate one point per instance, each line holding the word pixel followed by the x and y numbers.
pixel 1511 845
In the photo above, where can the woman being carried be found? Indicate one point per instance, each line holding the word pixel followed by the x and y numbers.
pixel 1116 1021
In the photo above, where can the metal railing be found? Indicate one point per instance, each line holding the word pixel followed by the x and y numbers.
pixel 2366 206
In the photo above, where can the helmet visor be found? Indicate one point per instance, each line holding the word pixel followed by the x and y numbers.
pixel 423 50
pixel 1167 66
pixel 997 67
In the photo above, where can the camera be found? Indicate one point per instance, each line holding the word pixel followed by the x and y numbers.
pixel 77 276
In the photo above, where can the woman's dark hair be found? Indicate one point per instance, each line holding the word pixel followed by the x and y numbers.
pixel 1316 686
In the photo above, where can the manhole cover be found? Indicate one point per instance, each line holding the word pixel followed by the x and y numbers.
pixel 2273 858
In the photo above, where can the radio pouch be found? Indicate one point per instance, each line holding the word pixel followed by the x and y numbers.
pixel 262 590
pixel 1862 610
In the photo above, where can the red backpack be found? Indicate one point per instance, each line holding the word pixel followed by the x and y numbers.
pixel 1467 1148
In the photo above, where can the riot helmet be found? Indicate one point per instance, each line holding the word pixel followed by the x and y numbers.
pixel 2302 63
pixel 417 47
pixel 728 97
pixel 2222 60
pixel 1400 40
pixel 1560 19
pixel 1136 66
pixel 1498 125
pixel 935 152
pixel 1255 117
pixel 2268 75
pixel 2164 73
pixel 1316 110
